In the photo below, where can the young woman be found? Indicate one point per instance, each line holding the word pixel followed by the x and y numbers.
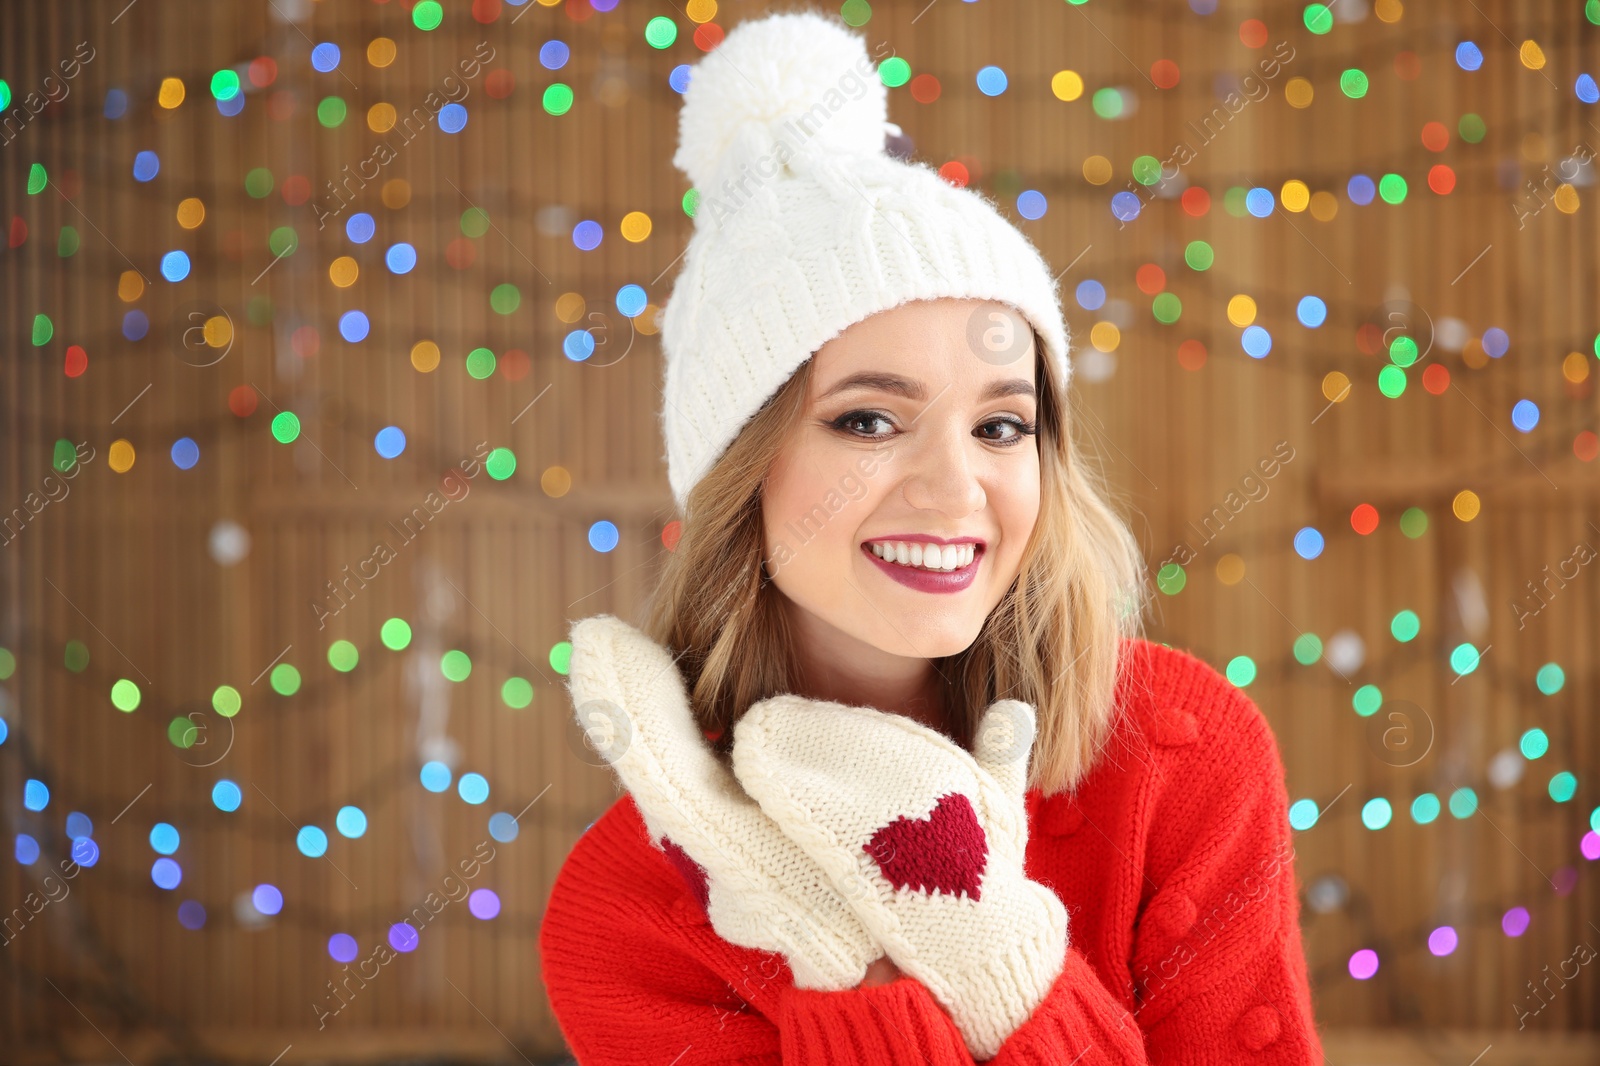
pixel 904 784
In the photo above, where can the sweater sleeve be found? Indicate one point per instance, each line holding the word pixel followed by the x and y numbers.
pixel 631 981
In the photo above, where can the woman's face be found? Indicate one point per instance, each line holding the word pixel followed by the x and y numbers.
pixel 917 433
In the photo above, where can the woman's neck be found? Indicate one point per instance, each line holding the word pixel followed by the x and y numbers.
pixel 840 669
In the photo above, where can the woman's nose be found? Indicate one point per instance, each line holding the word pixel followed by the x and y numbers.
pixel 940 474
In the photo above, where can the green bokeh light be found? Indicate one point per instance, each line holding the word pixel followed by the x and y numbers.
pixel 283 241
pixel 225 84
pixel 183 732
pixel 855 12
pixel 500 463
pixel 1563 786
pixel 65 456
pixel 561 656
pixel 225 701
pixel 1353 83
pixel 1425 808
pixel 1167 308
pixel 1146 170
pixel 505 298
pixel 1405 626
pixel 1241 670
pixel 516 692
pixel 395 634
pixel 427 15
pixel 1414 522
pixel 1199 255
pixel 285 679
pixel 1391 381
pixel 1171 578
pixel 1463 802
pixel 331 111
pixel 557 98
pixel 125 695
pixel 894 72
pixel 1534 743
pixel 480 363
pixel 1376 813
pixel 343 656
pixel 1307 648
pixel 660 32
pixel 285 427
pixel 455 664
pixel 1107 103
pixel 474 222
pixel 1550 679
pixel 258 183
pixel 77 656
pixel 1367 700
pixel 1464 659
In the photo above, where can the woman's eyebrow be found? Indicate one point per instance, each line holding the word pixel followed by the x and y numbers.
pixel 913 390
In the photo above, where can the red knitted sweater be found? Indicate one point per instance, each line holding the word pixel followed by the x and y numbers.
pixel 1174 859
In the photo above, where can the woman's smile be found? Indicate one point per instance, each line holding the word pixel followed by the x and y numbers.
pixel 927 566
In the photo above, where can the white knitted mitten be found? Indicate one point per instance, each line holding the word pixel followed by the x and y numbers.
pixel 936 833
pixel 758 887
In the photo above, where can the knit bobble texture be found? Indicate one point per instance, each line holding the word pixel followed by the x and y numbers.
pixel 767 72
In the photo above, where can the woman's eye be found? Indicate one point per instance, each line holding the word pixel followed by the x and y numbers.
pixel 1018 430
pixel 849 421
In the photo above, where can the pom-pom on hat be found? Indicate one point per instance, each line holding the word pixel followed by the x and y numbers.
pixel 805 225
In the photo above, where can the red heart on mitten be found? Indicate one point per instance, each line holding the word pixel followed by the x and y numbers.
pixel 944 852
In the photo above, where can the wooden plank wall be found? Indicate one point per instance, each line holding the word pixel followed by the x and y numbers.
pixel 122 563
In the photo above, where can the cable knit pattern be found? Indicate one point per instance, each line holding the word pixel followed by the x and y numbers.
pixel 1173 858
pixel 757 887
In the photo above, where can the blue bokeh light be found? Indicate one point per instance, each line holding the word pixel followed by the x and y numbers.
pixel 474 788
pixel 1257 342
pixel 390 441
pixel 1308 543
pixel 1311 312
pixel 226 796
pixel 360 227
pixel 603 536
pixel 435 776
pixel 185 453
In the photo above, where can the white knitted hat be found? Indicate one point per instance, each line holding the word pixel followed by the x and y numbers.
pixel 806 225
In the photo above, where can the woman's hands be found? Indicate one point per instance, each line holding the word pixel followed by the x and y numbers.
pixel 759 888
pixel 924 840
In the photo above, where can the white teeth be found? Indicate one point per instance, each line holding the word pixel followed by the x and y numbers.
pixel 925 556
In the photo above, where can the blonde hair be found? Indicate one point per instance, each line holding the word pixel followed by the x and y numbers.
pixel 1054 640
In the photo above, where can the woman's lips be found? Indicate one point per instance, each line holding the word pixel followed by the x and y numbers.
pixel 929 580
